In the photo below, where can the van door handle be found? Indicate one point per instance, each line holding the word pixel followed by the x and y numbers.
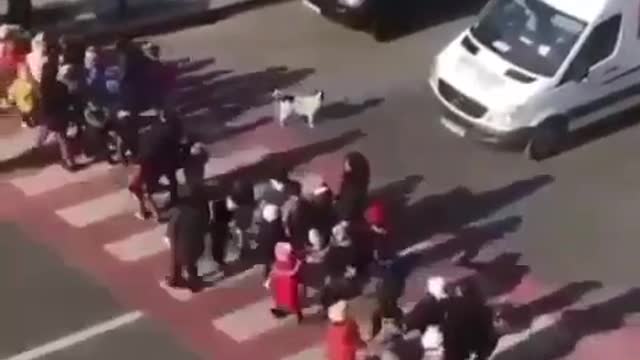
pixel 612 69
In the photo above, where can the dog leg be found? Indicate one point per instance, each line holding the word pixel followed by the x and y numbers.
pixel 311 121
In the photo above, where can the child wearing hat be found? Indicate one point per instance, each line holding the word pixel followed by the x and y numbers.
pixel 343 336
pixel 23 93
pixel 285 282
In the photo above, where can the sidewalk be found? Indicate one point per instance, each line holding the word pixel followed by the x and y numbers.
pixel 98 20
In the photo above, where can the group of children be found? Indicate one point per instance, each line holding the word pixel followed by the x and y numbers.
pixel 77 92
pixel 330 243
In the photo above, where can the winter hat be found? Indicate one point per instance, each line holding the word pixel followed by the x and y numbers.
pixel 436 287
pixel 283 251
pixel 432 340
pixel 338 312
pixel 270 213
pixel 375 214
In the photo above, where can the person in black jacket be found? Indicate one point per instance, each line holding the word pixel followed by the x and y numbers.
pixel 55 113
pixel 468 327
pixel 186 233
pixel 242 201
pixel 158 155
pixel 220 231
pixel 431 309
pixel 354 187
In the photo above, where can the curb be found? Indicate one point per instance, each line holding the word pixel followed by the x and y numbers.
pixel 160 24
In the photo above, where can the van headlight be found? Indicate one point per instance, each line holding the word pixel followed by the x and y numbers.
pixel 501 121
pixel 352 3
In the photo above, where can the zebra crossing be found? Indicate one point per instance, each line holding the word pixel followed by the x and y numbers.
pixel 235 308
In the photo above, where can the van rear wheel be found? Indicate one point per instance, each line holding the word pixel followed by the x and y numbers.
pixel 546 141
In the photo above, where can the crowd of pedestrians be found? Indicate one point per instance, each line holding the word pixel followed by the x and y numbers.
pixel 114 108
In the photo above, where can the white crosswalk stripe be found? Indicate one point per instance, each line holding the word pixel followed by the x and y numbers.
pixel 98 209
pixel 54 177
pixel 139 246
pixel 259 316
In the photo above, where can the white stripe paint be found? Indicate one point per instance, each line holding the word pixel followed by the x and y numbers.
pixel 540 323
pixel 259 316
pixel 78 337
pixel 139 246
pixel 98 209
pixel 54 177
pixel 17 143
pixel 420 247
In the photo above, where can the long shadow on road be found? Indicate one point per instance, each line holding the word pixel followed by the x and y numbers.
pixel 560 339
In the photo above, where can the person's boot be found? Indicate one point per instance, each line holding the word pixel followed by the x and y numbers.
pixel 278 313
pixel 176 282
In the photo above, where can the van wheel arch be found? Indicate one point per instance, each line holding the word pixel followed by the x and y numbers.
pixel 548 137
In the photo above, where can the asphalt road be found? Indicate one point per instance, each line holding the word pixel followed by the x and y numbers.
pixel 581 225
pixel 578 210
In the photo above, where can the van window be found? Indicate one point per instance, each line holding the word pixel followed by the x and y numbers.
pixel 600 44
pixel 530 34
pixel 602 41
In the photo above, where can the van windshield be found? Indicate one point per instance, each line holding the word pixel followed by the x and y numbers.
pixel 528 33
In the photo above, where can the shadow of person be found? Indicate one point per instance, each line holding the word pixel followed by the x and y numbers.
pixel 343 109
pixel 452 211
pixel 288 160
pixel 31 159
pixel 469 241
pixel 521 317
pixel 227 98
pixel 228 132
pixel 498 276
pixel 559 340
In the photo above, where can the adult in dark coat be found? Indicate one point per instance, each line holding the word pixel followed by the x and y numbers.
pixel 55 113
pixel 468 327
pixel 323 215
pixel 431 309
pixel 351 201
pixel 270 232
pixel 388 293
pixel 186 232
pixel 220 231
pixel 158 155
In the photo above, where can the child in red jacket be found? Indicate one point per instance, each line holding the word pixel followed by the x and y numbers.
pixel 285 282
pixel 343 335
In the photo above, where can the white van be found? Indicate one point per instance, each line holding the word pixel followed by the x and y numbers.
pixel 529 71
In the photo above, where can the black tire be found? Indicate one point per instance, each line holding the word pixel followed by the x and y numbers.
pixel 547 140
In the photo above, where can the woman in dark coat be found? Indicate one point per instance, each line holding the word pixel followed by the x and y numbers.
pixel 55 112
pixel 351 201
pixel 186 232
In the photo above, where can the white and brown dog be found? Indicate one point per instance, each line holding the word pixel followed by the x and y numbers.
pixel 288 105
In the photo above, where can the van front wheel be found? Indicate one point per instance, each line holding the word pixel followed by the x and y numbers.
pixel 546 141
